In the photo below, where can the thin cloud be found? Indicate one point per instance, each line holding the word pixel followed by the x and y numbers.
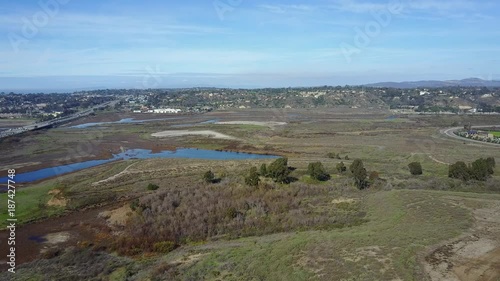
pixel 78 23
pixel 357 6
pixel 281 9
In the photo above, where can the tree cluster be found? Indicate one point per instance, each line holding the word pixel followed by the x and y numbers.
pixel 480 170
pixel 332 155
pixel 181 214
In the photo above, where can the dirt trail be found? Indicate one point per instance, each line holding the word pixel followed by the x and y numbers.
pixel 431 157
pixel 113 177
pixel 474 256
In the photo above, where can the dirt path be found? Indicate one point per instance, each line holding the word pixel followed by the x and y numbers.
pixel 474 256
pixel 432 158
pixel 113 177
pixel 437 161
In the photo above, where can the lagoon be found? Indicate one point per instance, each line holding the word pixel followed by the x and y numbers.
pixel 189 153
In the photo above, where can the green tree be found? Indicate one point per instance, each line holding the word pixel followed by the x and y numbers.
pixel 459 170
pixel 341 168
pixel 480 169
pixel 359 173
pixel 415 168
pixel 253 178
pixel 317 171
pixel 209 177
pixel 263 170
pixel 278 170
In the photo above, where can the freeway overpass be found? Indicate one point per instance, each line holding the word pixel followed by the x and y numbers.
pixel 55 122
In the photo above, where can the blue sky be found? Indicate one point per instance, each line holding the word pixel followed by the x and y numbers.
pixel 241 43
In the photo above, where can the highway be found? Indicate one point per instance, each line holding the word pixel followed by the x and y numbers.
pixel 450 133
pixel 54 122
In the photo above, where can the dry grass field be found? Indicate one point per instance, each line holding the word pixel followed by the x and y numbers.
pixel 404 227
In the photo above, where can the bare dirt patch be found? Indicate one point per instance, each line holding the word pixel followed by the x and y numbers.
pixel 474 256
pixel 181 133
pixel 343 200
pixel 117 217
pixel 190 259
pixel 57 199
pixel 270 124
pixel 57 238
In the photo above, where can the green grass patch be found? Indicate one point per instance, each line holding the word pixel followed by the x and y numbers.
pixel 31 204
pixel 496 134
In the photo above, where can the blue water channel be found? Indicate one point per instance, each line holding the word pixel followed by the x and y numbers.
pixel 190 153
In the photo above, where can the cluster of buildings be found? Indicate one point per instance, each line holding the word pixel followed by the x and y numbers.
pixel 479 135
pixel 158 110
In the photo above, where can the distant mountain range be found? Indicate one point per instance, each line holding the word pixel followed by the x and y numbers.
pixel 470 82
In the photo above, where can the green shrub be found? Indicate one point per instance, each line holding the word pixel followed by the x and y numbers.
pixel 209 177
pixel 253 178
pixel 341 168
pixel 134 204
pixel 263 170
pixel 317 171
pixel 359 172
pixel 164 247
pixel 152 186
pixel 459 170
pixel 415 168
